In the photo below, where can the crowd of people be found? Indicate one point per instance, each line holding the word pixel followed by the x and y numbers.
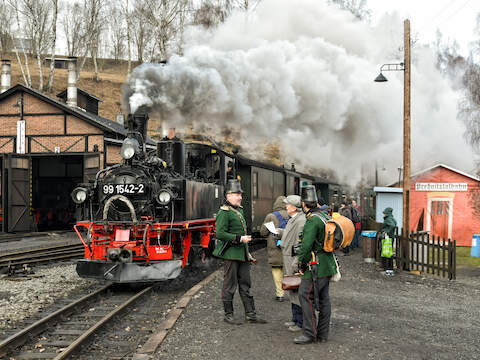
pixel 295 233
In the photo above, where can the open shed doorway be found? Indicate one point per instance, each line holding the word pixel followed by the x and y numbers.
pixel 53 179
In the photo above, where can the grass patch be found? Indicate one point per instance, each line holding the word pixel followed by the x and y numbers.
pixel 464 258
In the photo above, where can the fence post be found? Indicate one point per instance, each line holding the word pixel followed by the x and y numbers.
pixel 428 253
pixel 438 255
pixel 454 259
pixel 443 257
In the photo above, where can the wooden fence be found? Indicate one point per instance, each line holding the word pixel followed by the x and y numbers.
pixel 426 253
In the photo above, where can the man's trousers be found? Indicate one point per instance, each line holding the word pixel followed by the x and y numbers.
pixel 237 273
pixel 306 292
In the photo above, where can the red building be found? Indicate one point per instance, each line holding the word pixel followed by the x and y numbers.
pixel 441 201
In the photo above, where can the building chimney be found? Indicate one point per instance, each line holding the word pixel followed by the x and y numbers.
pixel 120 118
pixel 6 76
pixel 72 82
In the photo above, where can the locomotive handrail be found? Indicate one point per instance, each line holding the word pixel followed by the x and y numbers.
pixel 126 201
pixel 81 238
pixel 145 238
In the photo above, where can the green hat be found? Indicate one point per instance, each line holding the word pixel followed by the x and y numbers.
pixel 233 186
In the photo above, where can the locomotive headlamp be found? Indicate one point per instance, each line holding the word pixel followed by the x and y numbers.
pixel 164 197
pixel 79 195
pixel 129 147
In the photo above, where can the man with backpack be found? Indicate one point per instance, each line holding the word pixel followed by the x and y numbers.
pixel 316 267
pixel 279 217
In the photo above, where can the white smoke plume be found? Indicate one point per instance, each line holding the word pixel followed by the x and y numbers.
pixel 301 73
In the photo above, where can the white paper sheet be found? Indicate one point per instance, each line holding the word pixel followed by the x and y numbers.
pixel 271 227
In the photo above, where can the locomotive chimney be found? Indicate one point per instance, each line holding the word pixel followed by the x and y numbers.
pixel 72 82
pixel 6 76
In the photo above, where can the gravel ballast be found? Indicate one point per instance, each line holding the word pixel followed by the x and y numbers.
pixel 21 297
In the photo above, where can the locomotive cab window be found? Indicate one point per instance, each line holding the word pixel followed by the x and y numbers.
pixel 213 167
pixel 255 184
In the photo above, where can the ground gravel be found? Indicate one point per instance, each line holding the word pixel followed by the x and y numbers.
pixel 373 317
pixel 21 297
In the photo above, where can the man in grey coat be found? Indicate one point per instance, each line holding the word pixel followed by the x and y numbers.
pixel 290 236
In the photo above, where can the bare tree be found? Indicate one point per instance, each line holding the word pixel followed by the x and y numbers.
pixel 209 14
pixel 19 42
pixel 117 30
pixel 37 17
pixel 126 11
pixel 72 24
pixel 93 26
pixel 167 18
pixel 53 44
pixel 357 7
pixel 5 27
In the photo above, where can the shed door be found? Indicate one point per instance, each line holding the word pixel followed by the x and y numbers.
pixel 439 213
pixel 17 206
pixel 91 167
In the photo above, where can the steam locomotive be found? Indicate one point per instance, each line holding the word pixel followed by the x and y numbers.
pixel 145 219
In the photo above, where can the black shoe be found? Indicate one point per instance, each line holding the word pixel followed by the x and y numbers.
pixel 322 340
pixel 303 339
pixel 255 320
pixel 280 299
pixel 228 318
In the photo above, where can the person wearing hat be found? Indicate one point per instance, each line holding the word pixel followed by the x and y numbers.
pixel 279 217
pixel 313 291
pixel 290 237
pixel 388 227
pixel 232 246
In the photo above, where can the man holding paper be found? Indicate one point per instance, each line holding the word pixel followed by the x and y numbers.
pixel 277 219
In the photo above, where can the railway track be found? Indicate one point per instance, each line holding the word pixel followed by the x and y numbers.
pixel 52 253
pixel 67 329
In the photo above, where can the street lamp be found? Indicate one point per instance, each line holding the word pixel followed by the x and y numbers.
pixel 405 67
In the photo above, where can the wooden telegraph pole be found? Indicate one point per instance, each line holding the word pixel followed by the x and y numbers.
pixel 406 138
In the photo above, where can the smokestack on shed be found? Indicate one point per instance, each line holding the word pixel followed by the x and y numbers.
pixel 6 76
pixel 72 82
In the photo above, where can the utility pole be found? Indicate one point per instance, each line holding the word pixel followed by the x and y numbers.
pixel 406 142
pixel 406 130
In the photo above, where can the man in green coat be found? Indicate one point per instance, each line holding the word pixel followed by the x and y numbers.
pixel 313 290
pixel 231 233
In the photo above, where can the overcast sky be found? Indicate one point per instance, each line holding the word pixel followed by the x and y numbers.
pixel 454 18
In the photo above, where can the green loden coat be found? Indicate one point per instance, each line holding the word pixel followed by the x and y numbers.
pixel 312 240
pixel 230 226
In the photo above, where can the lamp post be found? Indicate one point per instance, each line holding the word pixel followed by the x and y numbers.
pixel 405 67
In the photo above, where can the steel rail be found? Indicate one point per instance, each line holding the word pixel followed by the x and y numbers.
pixel 70 255
pixel 76 343
pixel 20 337
pixel 39 250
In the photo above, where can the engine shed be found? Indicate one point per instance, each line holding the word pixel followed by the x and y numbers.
pixel 47 146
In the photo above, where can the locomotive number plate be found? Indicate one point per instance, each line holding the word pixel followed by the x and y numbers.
pixel 123 189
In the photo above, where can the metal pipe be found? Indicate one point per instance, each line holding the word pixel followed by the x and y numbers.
pixel 72 82
pixel 6 76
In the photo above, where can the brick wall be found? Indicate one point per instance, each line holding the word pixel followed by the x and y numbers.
pixel 113 154
pixel 78 126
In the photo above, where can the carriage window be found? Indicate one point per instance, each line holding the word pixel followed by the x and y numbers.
pixel 255 185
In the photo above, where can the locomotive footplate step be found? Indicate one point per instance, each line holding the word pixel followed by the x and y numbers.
pixel 129 272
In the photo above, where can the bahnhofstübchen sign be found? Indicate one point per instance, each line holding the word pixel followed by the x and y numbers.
pixel 441 187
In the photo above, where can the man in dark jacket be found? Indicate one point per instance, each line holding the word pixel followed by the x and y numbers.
pixel 231 233
pixel 279 217
pixel 388 227
pixel 346 210
pixel 316 272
